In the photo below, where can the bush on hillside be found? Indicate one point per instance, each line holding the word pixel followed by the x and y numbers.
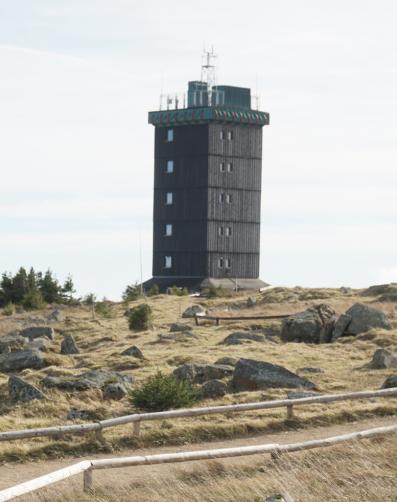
pixel 132 292
pixel 178 291
pixel 140 317
pixel 104 308
pixel 163 392
pixel 216 292
pixel 9 309
pixel 154 290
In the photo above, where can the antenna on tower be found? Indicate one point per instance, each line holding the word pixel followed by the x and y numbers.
pixel 208 70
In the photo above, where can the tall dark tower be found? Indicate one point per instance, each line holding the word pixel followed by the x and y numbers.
pixel 207 187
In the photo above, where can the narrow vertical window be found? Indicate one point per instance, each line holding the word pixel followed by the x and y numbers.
pixel 230 135
pixel 228 263
pixel 222 167
pixel 228 231
pixel 169 198
pixel 220 231
pixel 229 198
pixel 221 197
pixel 220 263
pixel 168 230
pixel 229 167
pixel 170 135
pixel 222 134
pixel 167 261
pixel 170 166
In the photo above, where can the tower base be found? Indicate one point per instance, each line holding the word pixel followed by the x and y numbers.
pixel 198 283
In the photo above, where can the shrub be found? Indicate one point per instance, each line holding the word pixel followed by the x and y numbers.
pixel 178 291
pixel 132 292
pixel 154 290
pixel 163 392
pixel 9 309
pixel 140 317
pixel 33 300
pixel 89 300
pixel 216 292
pixel 104 309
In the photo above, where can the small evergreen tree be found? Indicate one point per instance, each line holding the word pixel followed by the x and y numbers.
pixel 140 317
pixel 132 292
pixel 33 300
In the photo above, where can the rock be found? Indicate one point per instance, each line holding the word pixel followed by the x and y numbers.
pixel 213 389
pixel 228 361
pixel 383 359
pixel 19 390
pixel 88 380
pixel 76 414
pixel 37 332
pixel 314 325
pixel 199 373
pixel 301 394
pixel 364 318
pixel 114 391
pixel 340 326
pixel 176 327
pixel 310 370
pixel 253 375
pixel 11 343
pixel 68 346
pixel 345 291
pixel 193 310
pixel 179 336
pixel 390 382
pixel 42 344
pixel 388 297
pixel 55 316
pixel 20 360
pixel 243 336
pixel 251 301
pixel 134 352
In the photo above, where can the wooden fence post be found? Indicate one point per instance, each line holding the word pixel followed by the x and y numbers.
pixel 88 481
pixel 290 412
pixel 99 435
pixel 137 428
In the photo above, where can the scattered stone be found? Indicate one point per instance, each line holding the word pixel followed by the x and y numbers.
pixel 19 390
pixel 68 346
pixel 345 291
pixel 388 297
pixel 134 352
pixel 55 316
pixel 383 359
pixel 314 325
pixel 364 318
pixel 20 360
pixel 277 497
pixel 251 301
pixel 114 391
pixel 213 389
pixel 11 343
pixel 199 373
pixel 193 310
pixel 301 394
pixel 228 361
pixel 310 370
pixel 243 336
pixel 254 375
pixel 88 380
pixel 37 332
pixel 176 327
pixel 340 326
pixel 179 336
pixel 390 382
pixel 76 414
pixel 42 344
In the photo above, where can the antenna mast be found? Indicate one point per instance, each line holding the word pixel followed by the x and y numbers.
pixel 208 71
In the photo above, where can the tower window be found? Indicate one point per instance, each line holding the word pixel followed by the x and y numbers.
pixel 170 166
pixel 220 263
pixel 220 231
pixel 222 167
pixel 221 197
pixel 167 261
pixel 222 134
pixel 170 135
pixel 229 135
pixel 228 263
pixel 169 198
pixel 228 231
pixel 229 198
pixel 229 167
pixel 168 230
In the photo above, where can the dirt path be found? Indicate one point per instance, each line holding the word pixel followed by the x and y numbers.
pixel 11 474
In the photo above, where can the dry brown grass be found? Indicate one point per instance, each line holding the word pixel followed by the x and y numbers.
pixel 102 340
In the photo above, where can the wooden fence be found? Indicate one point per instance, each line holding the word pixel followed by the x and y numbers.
pixel 218 319
pixel 137 418
pixel 88 466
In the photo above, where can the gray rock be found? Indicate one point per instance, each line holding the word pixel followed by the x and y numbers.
pixel 340 326
pixel 20 360
pixel 364 318
pixel 69 346
pixel 134 352
pixel 88 380
pixel 76 414
pixel 383 359
pixel 301 394
pixel 251 301
pixel 309 369
pixel 314 325
pixel 193 310
pixel 253 375
pixel 179 336
pixel 37 332
pixel 213 389
pixel 390 382
pixel 243 336
pixel 55 316
pixel 19 390
pixel 199 373
pixel 11 343
pixel 42 344
pixel 228 361
pixel 176 327
pixel 114 391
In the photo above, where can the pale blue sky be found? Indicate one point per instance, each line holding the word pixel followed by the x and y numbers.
pixel 76 153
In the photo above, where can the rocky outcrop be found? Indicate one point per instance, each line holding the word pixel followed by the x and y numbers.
pixel 229 361
pixel 11 343
pixel 88 380
pixel 21 391
pixel 314 325
pixel 340 326
pixel 55 316
pixel 254 375
pixel 178 327
pixel 193 310
pixel 243 336
pixel 114 391
pixel 133 352
pixel 213 389
pixel 390 382
pixel 199 373
pixel 37 332
pixel 383 359
pixel 364 318
pixel 42 344
pixel 20 360
pixel 69 346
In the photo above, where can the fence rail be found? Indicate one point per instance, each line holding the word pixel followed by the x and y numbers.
pixel 218 319
pixel 137 418
pixel 275 449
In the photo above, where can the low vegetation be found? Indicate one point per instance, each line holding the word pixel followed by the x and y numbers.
pixel 140 317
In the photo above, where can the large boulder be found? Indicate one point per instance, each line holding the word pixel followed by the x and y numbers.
pixel 390 382
pixel 383 359
pixel 88 380
pixel 178 327
pixel 114 391
pixel 243 336
pixel 213 389
pixel 363 318
pixel 340 326
pixel 253 375
pixel 37 332
pixel 19 390
pixel 11 343
pixel 42 344
pixel 199 373
pixel 193 311
pixel 228 361
pixel 133 351
pixel 314 325
pixel 20 360
pixel 69 346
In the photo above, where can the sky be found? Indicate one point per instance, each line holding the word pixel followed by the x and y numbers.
pixel 77 78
